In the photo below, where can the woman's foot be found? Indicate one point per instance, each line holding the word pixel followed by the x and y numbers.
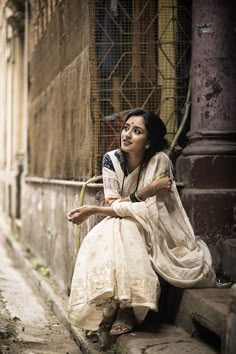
pixel 117 330
pixel 105 325
pixel 109 316
pixel 124 323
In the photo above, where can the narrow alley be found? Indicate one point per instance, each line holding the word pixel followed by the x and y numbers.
pixel 27 324
pixel 72 74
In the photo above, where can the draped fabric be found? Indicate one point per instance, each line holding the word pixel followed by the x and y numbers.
pixel 121 257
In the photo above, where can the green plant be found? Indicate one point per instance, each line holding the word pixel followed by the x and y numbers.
pixel 37 265
pixel 116 349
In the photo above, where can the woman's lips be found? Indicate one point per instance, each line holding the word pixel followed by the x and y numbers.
pixel 126 142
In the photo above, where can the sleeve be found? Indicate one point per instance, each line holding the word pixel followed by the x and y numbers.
pixel 159 166
pixel 110 181
pixel 163 166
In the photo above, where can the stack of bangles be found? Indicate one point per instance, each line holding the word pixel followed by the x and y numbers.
pixel 133 197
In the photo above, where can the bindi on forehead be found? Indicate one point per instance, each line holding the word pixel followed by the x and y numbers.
pixel 136 121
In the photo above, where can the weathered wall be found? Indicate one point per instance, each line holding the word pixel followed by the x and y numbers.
pixel 13 58
pixel 60 126
pixel 60 133
pixel 45 230
pixel 60 119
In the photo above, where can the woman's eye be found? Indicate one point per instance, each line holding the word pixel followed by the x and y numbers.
pixel 126 128
pixel 137 131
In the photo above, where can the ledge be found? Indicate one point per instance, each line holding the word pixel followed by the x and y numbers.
pixel 41 180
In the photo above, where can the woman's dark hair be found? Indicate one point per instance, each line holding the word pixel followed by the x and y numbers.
pixel 156 130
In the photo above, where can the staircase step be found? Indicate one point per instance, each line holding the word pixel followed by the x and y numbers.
pixel 168 340
pixel 207 307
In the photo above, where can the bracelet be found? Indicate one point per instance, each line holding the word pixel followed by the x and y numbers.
pixel 133 198
pixel 137 197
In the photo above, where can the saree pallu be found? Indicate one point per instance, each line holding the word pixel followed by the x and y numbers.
pixel 121 257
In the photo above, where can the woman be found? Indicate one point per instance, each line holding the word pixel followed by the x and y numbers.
pixel 146 233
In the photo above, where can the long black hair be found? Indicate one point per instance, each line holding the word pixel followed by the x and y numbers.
pixel 156 130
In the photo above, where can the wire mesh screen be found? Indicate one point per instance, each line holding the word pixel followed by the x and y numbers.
pixel 143 59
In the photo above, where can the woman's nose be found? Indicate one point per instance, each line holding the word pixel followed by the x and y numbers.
pixel 128 133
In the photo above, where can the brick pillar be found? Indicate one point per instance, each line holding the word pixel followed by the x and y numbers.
pixel 208 163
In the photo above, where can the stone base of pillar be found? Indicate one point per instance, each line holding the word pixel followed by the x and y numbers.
pixel 209 198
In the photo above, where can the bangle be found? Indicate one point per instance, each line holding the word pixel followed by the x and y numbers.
pixel 133 198
pixel 137 197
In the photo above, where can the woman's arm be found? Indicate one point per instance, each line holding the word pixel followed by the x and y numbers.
pixel 79 215
pixel 151 189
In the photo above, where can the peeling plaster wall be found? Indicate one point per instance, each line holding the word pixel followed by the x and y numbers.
pixel 45 230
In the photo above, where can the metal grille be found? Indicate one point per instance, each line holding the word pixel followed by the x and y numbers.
pixel 143 59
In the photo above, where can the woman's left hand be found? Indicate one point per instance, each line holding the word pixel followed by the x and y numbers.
pixel 163 182
pixel 79 215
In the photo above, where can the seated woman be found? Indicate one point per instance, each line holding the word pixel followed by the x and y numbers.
pixel 146 234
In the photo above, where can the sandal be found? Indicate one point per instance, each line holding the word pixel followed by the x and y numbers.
pixel 109 316
pixel 124 323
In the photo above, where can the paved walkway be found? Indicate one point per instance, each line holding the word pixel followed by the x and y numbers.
pixel 27 325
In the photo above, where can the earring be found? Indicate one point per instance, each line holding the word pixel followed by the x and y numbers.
pixel 147 146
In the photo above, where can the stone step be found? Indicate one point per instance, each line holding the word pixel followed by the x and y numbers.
pixel 168 340
pixel 204 308
pixel 200 316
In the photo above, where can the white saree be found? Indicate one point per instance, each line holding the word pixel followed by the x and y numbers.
pixel 121 257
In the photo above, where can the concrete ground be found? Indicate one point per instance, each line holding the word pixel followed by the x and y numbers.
pixel 27 325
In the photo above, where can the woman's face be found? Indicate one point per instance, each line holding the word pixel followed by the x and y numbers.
pixel 134 135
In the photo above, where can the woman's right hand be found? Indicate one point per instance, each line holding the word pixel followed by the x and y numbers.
pixel 162 183
pixel 80 214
